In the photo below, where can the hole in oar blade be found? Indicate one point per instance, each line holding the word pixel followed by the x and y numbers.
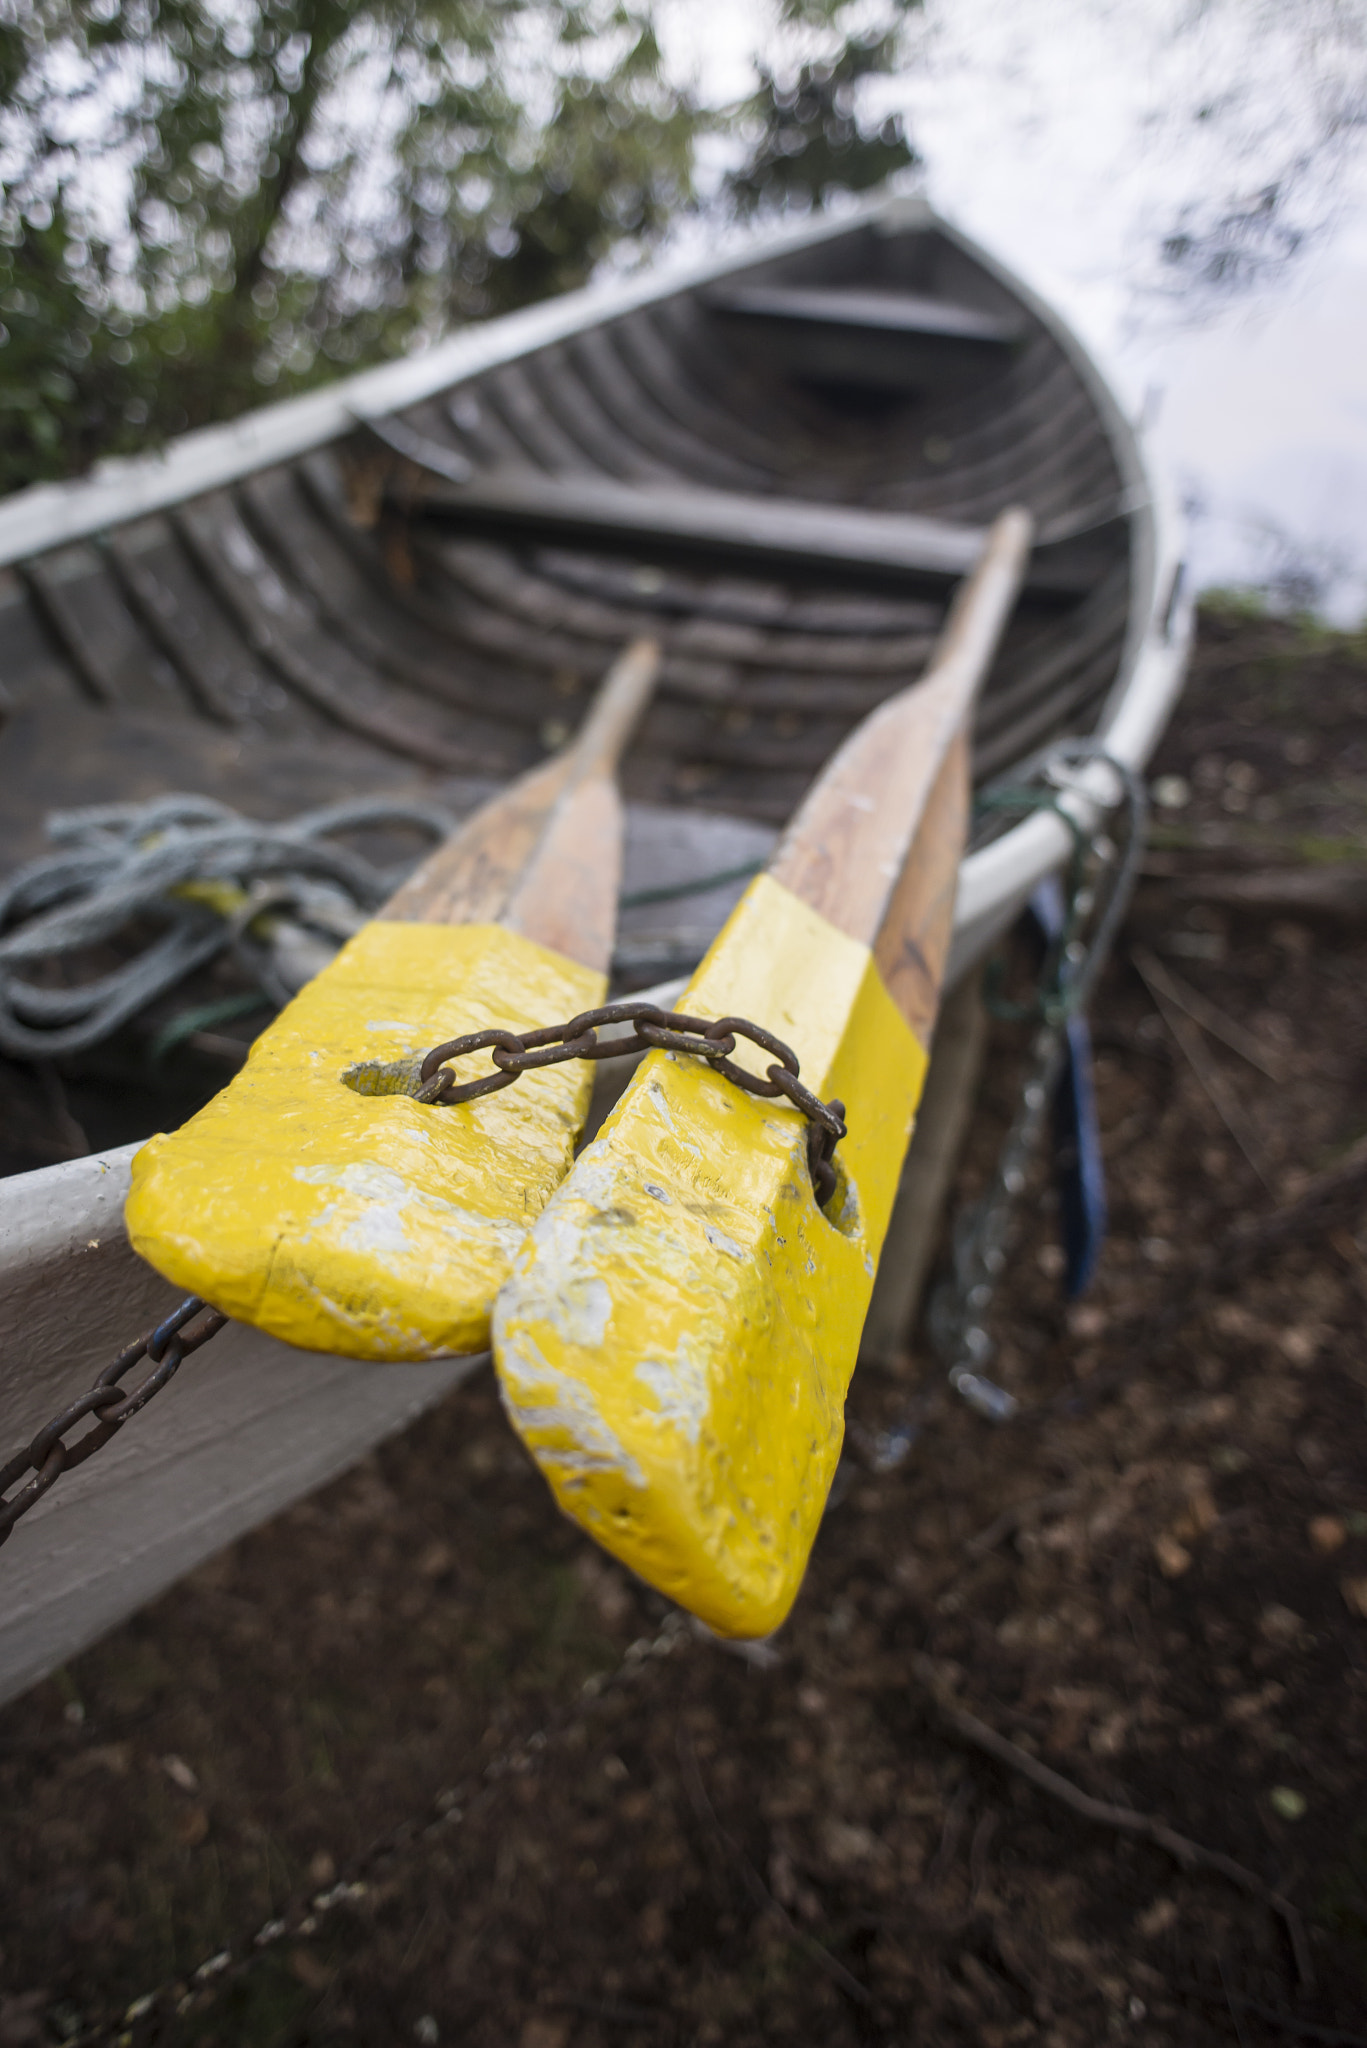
pixel 385 1077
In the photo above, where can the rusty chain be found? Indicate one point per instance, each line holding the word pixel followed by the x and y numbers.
pixel 516 1053
pixel 49 1455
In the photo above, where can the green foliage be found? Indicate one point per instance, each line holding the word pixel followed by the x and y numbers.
pixel 1235 604
pixel 292 186
pixel 808 141
pixel 204 203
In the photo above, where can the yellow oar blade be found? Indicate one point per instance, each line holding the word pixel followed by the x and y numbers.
pixel 315 1197
pixel 677 1336
pixel 371 1224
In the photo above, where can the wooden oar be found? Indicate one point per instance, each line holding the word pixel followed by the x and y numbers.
pixel 678 1333
pixel 315 1197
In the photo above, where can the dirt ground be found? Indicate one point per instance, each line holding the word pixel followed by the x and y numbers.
pixel 415 1763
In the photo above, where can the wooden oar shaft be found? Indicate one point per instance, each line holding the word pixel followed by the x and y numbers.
pixel 504 864
pixel 849 841
pixel 983 603
pixel 616 710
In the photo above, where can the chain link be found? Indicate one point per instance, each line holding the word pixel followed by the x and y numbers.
pixel 517 1053
pixel 195 1990
pixel 1101 878
pixel 49 1454
pixel 1095 904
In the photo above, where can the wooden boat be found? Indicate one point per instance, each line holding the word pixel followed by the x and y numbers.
pixel 777 464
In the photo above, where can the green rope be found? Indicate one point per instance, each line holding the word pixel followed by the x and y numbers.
pixel 189 1021
pixel 1053 999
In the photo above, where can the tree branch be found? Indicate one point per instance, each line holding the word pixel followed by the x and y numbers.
pixel 1123 1819
pixel 760 1894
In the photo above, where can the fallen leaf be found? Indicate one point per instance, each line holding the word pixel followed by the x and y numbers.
pixel 652 1925
pixel 1109 1738
pixel 1173 1557
pixel 191 1826
pixel 1200 1516
pixel 1247 1705
pixel 1280 1625
pixel 1158 1918
pixel 540 2032
pixel 1327 1534
pixel 1354 1592
pixel 114 1757
pixel 1087 1321
pixel 847 1844
pixel 179 1772
pixel 310 1969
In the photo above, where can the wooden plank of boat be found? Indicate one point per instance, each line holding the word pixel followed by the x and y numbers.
pixel 314 1197
pixel 905 549
pixel 679 1329
pixel 884 311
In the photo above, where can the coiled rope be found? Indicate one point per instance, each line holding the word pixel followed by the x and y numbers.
pixel 281 898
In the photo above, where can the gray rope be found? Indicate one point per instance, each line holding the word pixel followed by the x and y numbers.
pixel 122 863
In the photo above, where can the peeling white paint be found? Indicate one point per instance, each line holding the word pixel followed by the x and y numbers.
pixel 378 1228
pixel 721 1242
pixel 657 1096
pixel 553 1282
pixel 681 1389
pixel 549 1401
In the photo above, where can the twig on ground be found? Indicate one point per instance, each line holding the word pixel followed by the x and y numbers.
pixel 1232 2003
pixel 1124 1819
pixel 979 1853
pixel 1208 1015
pixel 1318 1201
pixel 760 1894
pixel 1222 1098
pixel 1010 1519
pixel 1285 2022
pixel 614 2010
pixel 1337 892
pixel 956 1816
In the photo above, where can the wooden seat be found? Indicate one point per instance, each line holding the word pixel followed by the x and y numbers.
pixel 871 340
pixel 840 542
pixel 888 312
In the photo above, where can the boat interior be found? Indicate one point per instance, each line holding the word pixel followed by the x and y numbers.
pixel 781 474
